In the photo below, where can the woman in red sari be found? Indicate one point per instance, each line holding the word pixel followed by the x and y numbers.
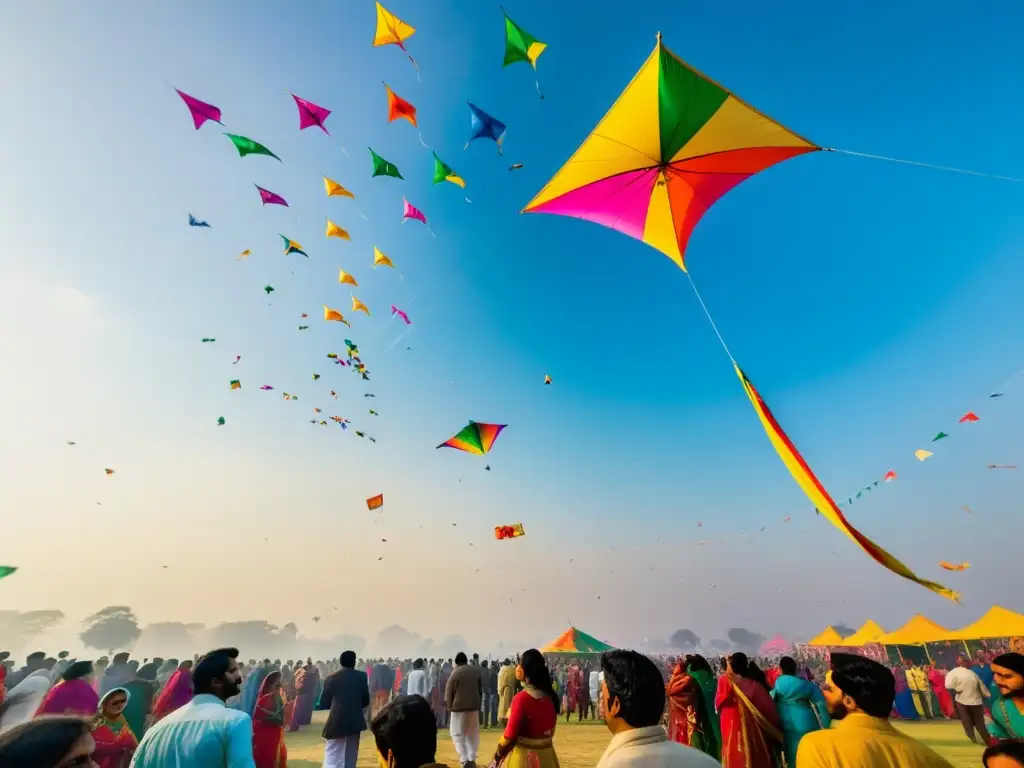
pixel 115 742
pixel 176 693
pixel 751 728
pixel 268 749
pixel 527 740
pixel 937 680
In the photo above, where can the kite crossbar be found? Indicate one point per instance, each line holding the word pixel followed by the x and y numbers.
pixel 946 168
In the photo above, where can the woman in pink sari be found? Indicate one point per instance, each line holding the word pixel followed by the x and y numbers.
pixel 937 680
pixel 177 693
pixel 73 695
pixel 751 727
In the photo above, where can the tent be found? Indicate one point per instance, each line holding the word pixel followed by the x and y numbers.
pixel 868 634
pixel 827 638
pixel 774 647
pixel 997 622
pixel 917 631
pixel 572 642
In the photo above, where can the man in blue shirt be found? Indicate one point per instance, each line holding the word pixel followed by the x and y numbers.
pixel 204 733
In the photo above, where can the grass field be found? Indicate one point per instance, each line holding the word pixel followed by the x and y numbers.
pixel 581 746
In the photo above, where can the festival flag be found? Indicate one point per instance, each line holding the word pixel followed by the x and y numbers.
pixel 513 531
pixel 375 502
pixel 334 189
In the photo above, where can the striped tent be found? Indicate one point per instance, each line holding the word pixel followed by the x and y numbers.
pixel 572 642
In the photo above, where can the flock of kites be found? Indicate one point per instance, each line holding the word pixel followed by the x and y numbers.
pixel 672 144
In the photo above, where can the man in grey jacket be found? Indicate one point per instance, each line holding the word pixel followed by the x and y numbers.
pixel 462 696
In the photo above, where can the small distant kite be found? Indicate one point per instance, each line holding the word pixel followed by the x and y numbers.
pixel 266 387
pixel 235 384
pixel 996 394
pixel 247 146
pixel 968 418
pixel 547 379
pixel 311 114
pixel 345 277
pixel 334 189
pixel 316 619
pixel 952 567
pixel 509 531
pixel 270 198
pixel 207 340
pixel 333 230
pixel 375 502
pixel 396 311
pixel 483 126
pixel 373 412
pixel 786 519
pixel 889 476
pixel 220 421
pixel 243 255
pixel 109 471
pixel 382 167
pixel 303 327
pixel 391 30
pixel 1002 466
pixel 410 211
pixel 268 289
pixel 71 442
pixel 515 166
pixel 475 437
pixel 335 315
pixel 922 454
pixel 201 111
pixel 380 260
pixel 291 246
pixel 194 222
pixel 369 394
pixel 358 306
pixel 316 377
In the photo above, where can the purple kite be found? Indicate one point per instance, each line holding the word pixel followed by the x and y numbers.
pixel 270 198
pixel 266 387
pixel 396 311
pixel 201 111
pixel 410 211
pixel 311 114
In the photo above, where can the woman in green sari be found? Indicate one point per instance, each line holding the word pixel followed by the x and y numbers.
pixel 691 719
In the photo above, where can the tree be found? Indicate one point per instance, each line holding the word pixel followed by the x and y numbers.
pixel 17 629
pixel 684 640
pixel 115 628
pixel 745 640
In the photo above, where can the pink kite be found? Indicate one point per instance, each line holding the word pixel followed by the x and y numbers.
pixel 270 198
pixel 396 311
pixel 266 387
pixel 410 211
pixel 201 111
pixel 968 417
pixel 311 114
pixel 777 646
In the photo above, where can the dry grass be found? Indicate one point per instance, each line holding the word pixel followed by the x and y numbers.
pixel 581 746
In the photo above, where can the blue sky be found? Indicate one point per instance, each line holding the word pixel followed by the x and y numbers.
pixel 871 303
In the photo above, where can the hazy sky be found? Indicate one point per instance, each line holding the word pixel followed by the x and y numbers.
pixel 871 303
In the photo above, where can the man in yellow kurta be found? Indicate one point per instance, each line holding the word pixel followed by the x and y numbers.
pixel 506 689
pixel 917 681
pixel 859 693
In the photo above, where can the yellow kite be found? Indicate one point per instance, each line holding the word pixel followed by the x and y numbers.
pixel 380 260
pixel 922 454
pixel 391 30
pixel 333 230
pixel 335 315
pixel 358 306
pixel 334 189
pixel 345 277
pixel 243 255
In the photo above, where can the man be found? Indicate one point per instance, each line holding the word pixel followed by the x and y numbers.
pixel 968 694
pixel 347 695
pixel 494 693
pixel 462 696
pixel 445 676
pixel 1008 707
pixel 203 733
pixel 416 681
pixel 859 694
pixel 506 689
pixel 406 734
pixel 33 663
pixel 488 691
pixel 594 683
pixel 633 697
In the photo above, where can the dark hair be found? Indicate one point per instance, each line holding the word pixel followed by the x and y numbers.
pixel 1012 748
pixel 756 674
pixel 637 683
pixel 460 658
pixel 77 670
pixel 694 661
pixel 739 663
pixel 865 681
pixel 41 743
pixel 536 672
pixel 418 664
pixel 1012 661
pixel 213 666
pixel 408 728
pixel 787 665
pixel 348 659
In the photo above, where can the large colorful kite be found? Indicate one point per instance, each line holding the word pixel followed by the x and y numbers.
pixel 475 437
pixel 200 110
pixel 311 114
pixel 391 30
pixel 672 144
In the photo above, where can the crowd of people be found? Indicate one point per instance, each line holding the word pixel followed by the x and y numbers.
pixel 735 711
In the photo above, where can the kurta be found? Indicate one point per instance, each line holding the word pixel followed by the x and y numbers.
pixel 862 741
pixel 750 723
pixel 506 690
pixel 140 700
pixel 1007 719
pixel 708 687
pixel 202 734
pixel 801 708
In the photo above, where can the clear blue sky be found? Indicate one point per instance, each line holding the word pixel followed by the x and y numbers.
pixel 871 303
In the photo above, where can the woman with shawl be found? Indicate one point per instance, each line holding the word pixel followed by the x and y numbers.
pixel 251 689
pixel 751 729
pixel 177 693
pixel 23 700
pixel 904 701
pixel 141 690
pixel 527 739
pixel 268 748
pixel 937 680
pixel 73 695
pixel 689 720
pixel 115 741
pixel 801 707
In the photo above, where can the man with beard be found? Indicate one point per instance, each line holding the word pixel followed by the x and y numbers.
pixel 203 733
pixel 1008 708
pixel 859 693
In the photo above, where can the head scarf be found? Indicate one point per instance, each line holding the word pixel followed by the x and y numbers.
pixel 251 689
pixel 24 699
pixel 119 722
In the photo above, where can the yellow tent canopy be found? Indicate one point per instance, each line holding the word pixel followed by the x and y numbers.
pixel 869 633
pixel 917 631
pixel 997 622
pixel 827 638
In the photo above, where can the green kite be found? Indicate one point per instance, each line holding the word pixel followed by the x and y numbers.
pixel 247 146
pixel 382 167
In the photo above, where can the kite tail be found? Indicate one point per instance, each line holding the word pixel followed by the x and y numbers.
pixel 431 232
pixel 946 168
pixel 425 146
pixel 417 66
pixel 467 200
pixel 537 83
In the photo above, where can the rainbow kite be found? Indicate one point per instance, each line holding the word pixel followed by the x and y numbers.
pixel 475 438
pixel 672 144
pixel 513 531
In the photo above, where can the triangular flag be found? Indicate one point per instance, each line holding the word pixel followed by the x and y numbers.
pixel 345 277
pixel 333 230
pixel 380 260
pixel 334 189
pixel 922 454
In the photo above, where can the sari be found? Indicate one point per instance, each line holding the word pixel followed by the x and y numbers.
pixel 937 681
pixel 306 680
pixel 115 741
pixel 708 684
pixel 802 709
pixel 904 701
pixel 251 690
pixel 70 697
pixel 177 693
pixel 268 747
pixel 573 681
pixel 140 700
pixel 688 720
pixel 751 728
pixel 527 741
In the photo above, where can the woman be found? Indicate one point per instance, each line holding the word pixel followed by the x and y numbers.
pixel 904 701
pixel 177 693
pixel 23 700
pixel 688 720
pixel 50 742
pixel 751 729
pixel 527 740
pixel 141 691
pixel 268 748
pixel 801 707
pixel 937 680
pixel 73 695
pixel 115 741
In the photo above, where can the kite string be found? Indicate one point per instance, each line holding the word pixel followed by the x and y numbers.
pixel 946 168
pixel 711 320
